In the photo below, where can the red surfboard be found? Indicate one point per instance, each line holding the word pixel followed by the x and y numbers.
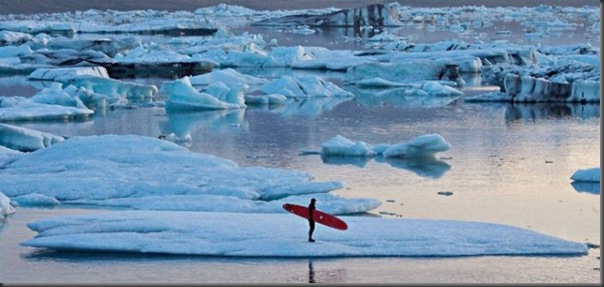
pixel 319 216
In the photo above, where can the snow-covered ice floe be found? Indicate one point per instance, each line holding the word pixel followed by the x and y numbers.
pixel 285 235
pixel 149 173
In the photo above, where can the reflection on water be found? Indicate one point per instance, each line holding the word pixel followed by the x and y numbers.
pixel 530 112
pixel 358 161
pixel 398 97
pixel 589 187
pixel 180 123
pixel 310 107
pixel 429 167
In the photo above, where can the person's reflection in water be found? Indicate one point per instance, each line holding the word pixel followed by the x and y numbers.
pixel 311 273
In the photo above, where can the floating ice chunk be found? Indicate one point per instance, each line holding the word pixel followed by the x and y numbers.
pixel 228 76
pixel 341 146
pixel 24 139
pixel 116 90
pixel 55 95
pixel 67 74
pixel 95 83
pixel 20 108
pixel 586 175
pixel 304 87
pixel 556 89
pixel 422 146
pixel 182 95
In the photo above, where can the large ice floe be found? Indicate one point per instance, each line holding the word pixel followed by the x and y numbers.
pixel 284 235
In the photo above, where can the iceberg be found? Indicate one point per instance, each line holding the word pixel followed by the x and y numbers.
pixel 182 95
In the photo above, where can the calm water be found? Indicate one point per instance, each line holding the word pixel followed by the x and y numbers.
pixel 508 164
pixel 502 168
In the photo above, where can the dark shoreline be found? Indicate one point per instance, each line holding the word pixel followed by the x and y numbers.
pixel 57 6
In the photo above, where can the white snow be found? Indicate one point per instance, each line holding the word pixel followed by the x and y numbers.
pixel 284 235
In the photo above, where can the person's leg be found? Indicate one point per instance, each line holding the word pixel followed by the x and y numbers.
pixel 311 230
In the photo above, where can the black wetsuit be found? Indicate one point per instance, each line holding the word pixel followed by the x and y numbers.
pixel 311 220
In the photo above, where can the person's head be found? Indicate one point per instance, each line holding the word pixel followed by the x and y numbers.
pixel 312 200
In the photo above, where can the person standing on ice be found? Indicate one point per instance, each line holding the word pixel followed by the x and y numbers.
pixel 311 219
